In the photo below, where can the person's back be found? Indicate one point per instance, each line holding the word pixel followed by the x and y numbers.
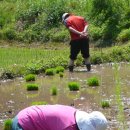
pixel 76 22
pixel 57 117
pixel 47 117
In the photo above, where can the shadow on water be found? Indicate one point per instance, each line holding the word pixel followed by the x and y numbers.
pixel 14 96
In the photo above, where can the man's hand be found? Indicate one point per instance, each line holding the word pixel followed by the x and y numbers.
pixel 83 34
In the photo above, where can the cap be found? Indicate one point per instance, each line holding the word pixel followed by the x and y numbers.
pixel 93 121
pixel 64 15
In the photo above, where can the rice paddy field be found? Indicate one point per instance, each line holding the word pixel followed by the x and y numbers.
pixel 22 55
pixel 110 93
pixel 111 96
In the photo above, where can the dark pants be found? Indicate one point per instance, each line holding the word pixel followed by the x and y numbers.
pixel 79 45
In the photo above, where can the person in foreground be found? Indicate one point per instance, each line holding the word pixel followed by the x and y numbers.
pixel 58 117
pixel 78 29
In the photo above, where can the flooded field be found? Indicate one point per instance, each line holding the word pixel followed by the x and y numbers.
pixel 114 87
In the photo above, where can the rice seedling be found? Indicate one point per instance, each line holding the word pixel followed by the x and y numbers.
pixel 105 104
pixel 73 86
pixel 30 77
pixel 93 81
pixel 50 71
pixel 8 124
pixel 32 87
pixel 61 74
pixel 59 69
pixel 54 90
pixel 32 95
pixel 26 56
pixel 120 116
pixel 39 103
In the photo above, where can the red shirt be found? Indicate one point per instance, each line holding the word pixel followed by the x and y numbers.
pixel 76 22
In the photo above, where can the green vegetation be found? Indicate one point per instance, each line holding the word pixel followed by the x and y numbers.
pixel 40 20
pixel 118 89
pixel 61 74
pixel 50 71
pixel 31 87
pixel 73 86
pixel 30 77
pixel 30 60
pixel 93 81
pixel 54 90
pixel 21 56
pixel 105 104
pixel 39 103
pixel 59 69
pixel 37 60
pixel 8 124
pixel 113 54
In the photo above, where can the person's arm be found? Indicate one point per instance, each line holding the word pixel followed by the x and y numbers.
pixel 82 34
pixel 74 31
pixel 85 28
pixel 85 31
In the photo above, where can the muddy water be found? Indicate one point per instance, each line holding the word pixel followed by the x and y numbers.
pixel 14 96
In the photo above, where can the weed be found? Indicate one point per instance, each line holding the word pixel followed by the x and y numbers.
pixel 9 34
pixel 124 35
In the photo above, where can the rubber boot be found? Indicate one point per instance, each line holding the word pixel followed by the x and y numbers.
pixel 71 68
pixel 88 66
pixel 87 63
pixel 71 65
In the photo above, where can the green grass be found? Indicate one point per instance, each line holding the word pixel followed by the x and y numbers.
pixel 19 55
pixel 73 86
pixel 33 59
pixel 12 55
